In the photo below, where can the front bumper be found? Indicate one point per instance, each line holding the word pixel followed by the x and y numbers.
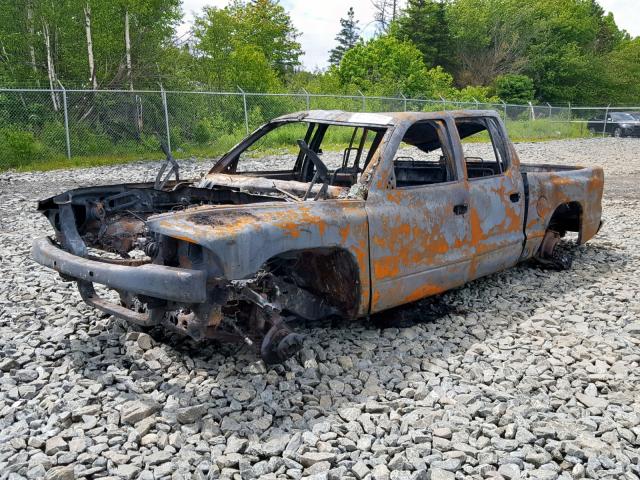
pixel 158 281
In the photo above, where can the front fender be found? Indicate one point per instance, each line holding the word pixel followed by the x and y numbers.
pixel 243 238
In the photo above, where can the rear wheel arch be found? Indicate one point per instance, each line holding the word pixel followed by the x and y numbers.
pixel 567 217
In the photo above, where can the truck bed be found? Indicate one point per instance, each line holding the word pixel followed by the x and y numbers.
pixel 547 168
pixel 549 186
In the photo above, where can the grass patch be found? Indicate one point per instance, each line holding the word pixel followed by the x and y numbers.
pixel 31 157
pixel 545 130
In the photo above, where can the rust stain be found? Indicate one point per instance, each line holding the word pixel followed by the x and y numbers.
pixel 476 228
pixel 423 291
pixel 344 233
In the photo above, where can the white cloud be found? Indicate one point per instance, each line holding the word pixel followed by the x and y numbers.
pixel 626 14
pixel 319 21
pixel 191 7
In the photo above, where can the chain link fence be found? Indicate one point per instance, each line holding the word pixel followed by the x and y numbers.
pixel 40 124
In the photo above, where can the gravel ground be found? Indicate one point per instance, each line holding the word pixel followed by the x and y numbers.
pixel 532 374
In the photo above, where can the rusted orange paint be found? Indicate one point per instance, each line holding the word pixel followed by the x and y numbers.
pixel 476 228
pixel 290 228
pixel 423 291
pixel 344 233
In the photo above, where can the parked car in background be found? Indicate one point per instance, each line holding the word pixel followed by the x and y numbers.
pixel 618 124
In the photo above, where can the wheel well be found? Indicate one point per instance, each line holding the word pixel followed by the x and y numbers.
pixel 330 273
pixel 566 218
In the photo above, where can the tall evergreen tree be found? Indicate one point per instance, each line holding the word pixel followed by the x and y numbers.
pixel 424 23
pixel 346 38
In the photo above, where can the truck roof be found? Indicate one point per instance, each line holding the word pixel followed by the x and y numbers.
pixel 381 119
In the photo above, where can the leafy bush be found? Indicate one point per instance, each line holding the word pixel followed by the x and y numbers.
pixel 210 128
pixel 202 131
pixel 473 93
pixel 19 147
pixel 387 66
pixel 514 88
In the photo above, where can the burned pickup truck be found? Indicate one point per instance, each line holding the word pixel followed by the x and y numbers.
pixel 284 229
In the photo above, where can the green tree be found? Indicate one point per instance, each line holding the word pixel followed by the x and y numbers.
pixel 560 44
pixel 28 59
pixel 247 44
pixel 489 38
pixel 389 66
pixel 424 22
pixel 17 43
pixel 569 40
pixel 267 25
pixel 346 38
pixel 514 88
pixel 622 78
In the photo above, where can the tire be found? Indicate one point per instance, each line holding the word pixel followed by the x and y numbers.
pixel 618 132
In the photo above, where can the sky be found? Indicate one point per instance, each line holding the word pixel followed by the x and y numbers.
pixel 319 21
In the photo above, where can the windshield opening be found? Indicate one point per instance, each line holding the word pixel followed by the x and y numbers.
pixel 284 151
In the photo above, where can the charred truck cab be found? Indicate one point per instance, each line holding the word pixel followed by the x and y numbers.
pixel 243 252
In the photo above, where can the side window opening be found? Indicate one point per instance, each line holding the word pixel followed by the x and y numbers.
pixel 483 146
pixel 352 147
pixel 424 156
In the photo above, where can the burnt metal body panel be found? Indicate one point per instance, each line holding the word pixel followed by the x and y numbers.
pixel 176 284
pixel 241 239
pixel 551 187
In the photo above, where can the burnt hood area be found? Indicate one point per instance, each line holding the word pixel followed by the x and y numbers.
pixel 113 217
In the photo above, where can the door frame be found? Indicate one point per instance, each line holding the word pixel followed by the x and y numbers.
pixel 496 221
pixel 416 252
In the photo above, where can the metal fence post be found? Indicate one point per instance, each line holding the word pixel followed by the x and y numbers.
pixel 66 119
pixel 364 101
pixel 444 102
pixel 163 94
pixel 504 108
pixel 307 97
pixel 532 113
pixel 570 116
pixel 477 103
pixel 604 124
pixel 404 100
pixel 549 105
pixel 246 113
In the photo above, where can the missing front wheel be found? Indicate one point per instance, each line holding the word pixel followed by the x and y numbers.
pixel 280 344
